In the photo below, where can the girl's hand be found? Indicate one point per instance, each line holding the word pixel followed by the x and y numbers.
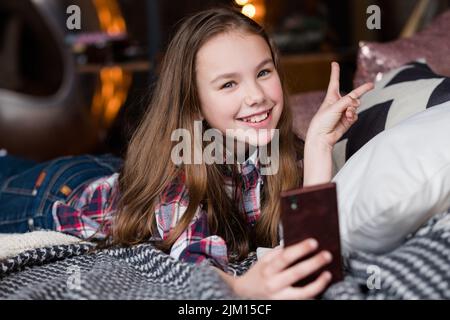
pixel 336 114
pixel 270 277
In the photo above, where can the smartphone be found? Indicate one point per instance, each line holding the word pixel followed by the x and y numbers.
pixel 312 212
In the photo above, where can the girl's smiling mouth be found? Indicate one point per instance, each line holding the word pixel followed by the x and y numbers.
pixel 260 119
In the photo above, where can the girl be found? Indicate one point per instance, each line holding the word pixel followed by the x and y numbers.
pixel 220 68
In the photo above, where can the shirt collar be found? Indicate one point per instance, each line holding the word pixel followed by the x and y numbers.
pixel 252 161
pixel 248 171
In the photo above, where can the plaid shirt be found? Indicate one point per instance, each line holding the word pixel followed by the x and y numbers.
pixel 84 213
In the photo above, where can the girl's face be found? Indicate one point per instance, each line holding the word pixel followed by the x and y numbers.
pixel 239 87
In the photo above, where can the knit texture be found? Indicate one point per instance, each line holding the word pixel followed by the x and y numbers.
pixel 13 244
pixel 418 269
pixel 140 272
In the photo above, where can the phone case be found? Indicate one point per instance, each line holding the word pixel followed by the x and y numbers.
pixel 312 212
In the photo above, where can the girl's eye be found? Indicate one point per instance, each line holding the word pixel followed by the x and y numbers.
pixel 227 85
pixel 264 72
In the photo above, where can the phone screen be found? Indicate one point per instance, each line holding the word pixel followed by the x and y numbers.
pixel 312 212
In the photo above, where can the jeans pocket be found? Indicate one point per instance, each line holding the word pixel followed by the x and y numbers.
pixel 67 177
pixel 15 212
pixel 66 189
pixel 25 183
pixel 26 198
pixel 70 178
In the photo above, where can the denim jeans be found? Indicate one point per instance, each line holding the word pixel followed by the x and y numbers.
pixel 28 189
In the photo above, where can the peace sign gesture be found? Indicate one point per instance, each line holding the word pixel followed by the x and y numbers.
pixel 336 114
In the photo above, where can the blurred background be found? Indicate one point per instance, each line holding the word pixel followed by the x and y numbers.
pixel 72 91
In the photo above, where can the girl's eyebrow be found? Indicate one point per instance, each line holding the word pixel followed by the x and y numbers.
pixel 233 74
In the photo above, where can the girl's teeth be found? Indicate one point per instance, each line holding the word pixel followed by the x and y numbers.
pixel 257 118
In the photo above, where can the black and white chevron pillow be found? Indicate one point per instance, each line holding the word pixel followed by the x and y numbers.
pixel 399 94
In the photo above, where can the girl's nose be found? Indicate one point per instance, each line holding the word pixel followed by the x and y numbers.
pixel 254 95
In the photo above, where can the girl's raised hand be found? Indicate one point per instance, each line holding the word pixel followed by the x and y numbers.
pixel 336 114
pixel 272 278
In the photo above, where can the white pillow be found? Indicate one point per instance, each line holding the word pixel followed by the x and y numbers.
pixel 395 182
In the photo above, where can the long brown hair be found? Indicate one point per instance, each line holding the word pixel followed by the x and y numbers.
pixel 148 168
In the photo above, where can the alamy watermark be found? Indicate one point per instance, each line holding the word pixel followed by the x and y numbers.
pixel 374 280
pixel 374 20
pixel 74 280
pixel 73 22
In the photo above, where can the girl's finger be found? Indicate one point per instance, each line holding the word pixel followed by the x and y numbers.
pixel 351 119
pixel 311 290
pixel 289 255
pixel 358 92
pixel 350 112
pixel 271 254
pixel 343 125
pixel 333 85
pixel 357 103
pixel 300 271
pixel 344 103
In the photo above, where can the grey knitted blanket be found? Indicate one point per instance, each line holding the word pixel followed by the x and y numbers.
pixel 140 272
pixel 419 269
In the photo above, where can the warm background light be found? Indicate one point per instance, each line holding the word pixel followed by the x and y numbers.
pixel 249 10
pixel 110 16
pixel 114 82
pixel 254 9
pixel 241 2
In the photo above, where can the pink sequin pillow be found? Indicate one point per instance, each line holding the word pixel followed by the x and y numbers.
pixel 432 43
pixel 304 106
